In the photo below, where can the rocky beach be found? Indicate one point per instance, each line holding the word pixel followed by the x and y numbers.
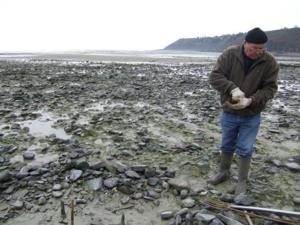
pixel 132 140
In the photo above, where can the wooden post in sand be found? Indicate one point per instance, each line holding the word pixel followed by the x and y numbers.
pixel 62 210
pixel 72 206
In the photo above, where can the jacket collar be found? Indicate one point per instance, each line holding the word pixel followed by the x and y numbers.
pixel 239 55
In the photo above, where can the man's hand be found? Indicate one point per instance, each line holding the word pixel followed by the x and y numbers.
pixel 241 104
pixel 237 94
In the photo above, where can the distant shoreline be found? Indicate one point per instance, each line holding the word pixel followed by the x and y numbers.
pixel 158 56
pixel 119 56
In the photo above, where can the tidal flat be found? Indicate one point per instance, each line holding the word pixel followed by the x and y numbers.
pixel 132 135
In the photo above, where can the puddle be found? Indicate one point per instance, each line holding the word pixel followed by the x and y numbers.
pixel 43 126
pixel 167 136
pixel 272 118
pixel 141 105
pixel 287 86
pixel 192 93
pixel 49 91
pixel 39 160
pixel 277 104
pixel 83 120
pixel 182 104
pixel 103 141
pixel 100 106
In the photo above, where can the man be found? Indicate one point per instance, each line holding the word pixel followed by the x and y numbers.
pixel 246 78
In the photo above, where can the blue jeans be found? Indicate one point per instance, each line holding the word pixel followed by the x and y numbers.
pixel 239 133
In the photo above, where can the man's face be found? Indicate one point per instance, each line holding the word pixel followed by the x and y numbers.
pixel 254 51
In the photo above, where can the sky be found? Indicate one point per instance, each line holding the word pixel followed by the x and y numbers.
pixel 62 25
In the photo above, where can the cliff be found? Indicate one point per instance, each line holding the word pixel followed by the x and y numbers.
pixel 280 41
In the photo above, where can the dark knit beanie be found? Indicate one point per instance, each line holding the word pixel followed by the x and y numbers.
pixel 256 36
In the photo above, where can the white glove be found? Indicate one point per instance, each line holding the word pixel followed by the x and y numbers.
pixel 237 94
pixel 241 104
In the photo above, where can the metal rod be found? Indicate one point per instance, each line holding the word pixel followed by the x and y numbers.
pixel 224 206
pixel 260 209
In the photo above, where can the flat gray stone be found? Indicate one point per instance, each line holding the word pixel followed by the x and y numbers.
pixel 75 175
pixel 95 184
pixel 57 194
pixel 228 220
pixel 111 182
pixel 132 174
pixel 18 204
pixel 179 184
pixel 206 218
pixel 139 168
pixel 293 166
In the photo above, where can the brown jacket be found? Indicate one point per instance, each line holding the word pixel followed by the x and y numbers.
pixel 260 83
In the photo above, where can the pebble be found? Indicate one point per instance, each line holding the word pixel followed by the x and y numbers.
pixel 150 172
pixel 217 222
pixel 153 181
pixel 227 198
pixel 125 200
pixel 132 174
pixel 188 203
pixel 75 174
pixel 42 201
pixel 139 168
pixel 5 176
pixel 205 218
pixel 182 212
pixel 165 215
pixel 95 184
pixel 242 199
pixel 296 200
pixel 178 220
pixel 28 155
pixel 276 162
pixel 57 187
pixel 137 195
pixel 18 204
pixel 184 193
pixel 57 194
pixel 165 185
pixel 179 184
pixel 153 194
pixel 111 182
pixel 228 220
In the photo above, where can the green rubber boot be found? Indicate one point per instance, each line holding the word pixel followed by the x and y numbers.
pixel 244 166
pixel 224 169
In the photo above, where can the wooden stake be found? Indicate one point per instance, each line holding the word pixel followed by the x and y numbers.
pixel 62 210
pixel 248 218
pixel 72 206
pixel 122 219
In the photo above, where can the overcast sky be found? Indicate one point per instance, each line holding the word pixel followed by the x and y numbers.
pixel 51 25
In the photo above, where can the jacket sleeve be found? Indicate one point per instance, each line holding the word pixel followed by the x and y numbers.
pixel 268 87
pixel 218 77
